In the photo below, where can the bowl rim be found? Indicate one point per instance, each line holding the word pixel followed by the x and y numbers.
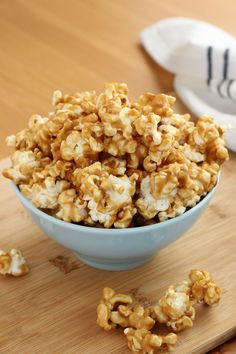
pixel 89 229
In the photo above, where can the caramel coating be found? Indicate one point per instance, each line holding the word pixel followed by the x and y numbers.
pixel 107 304
pixel 117 310
pixel 13 263
pixel 124 161
pixel 144 342
pixel 175 308
pixel 203 288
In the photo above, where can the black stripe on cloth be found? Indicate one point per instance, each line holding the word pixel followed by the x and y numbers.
pixel 228 88
pixel 219 88
pixel 209 65
pixel 226 64
pixel 225 73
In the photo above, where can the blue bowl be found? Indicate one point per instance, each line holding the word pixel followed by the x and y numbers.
pixel 115 249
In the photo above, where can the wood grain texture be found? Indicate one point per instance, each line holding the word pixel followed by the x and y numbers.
pixel 49 311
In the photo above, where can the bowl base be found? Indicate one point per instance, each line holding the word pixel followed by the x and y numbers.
pixel 114 265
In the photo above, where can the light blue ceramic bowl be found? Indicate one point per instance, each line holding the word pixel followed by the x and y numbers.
pixel 115 249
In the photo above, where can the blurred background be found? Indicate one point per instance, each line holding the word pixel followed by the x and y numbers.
pixel 78 45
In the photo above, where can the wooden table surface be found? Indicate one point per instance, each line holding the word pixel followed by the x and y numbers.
pixel 76 45
pixel 51 311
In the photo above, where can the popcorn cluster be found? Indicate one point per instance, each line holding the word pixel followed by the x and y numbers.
pixel 145 342
pixel 114 310
pixel 102 160
pixel 13 263
pixel 175 309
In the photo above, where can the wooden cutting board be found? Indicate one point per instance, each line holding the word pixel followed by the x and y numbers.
pixel 50 311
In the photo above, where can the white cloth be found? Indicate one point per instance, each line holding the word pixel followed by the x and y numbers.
pixel 203 57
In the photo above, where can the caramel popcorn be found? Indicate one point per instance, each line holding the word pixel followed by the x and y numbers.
pixel 77 149
pixel 45 194
pixel 203 288
pixel 144 342
pixel 136 317
pixel 117 309
pixel 175 308
pixel 101 160
pixel 71 207
pixel 23 165
pixel 109 303
pixel 13 263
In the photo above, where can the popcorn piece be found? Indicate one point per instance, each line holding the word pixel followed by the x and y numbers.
pixel 36 121
pixel 175 308
pixel 160 104
pixel 192 155
pixel 109 302
pixel 155 192
pixel 23 140
pixel 118 119
pixel 60 168
pixel 116 88
pixel 135 159
pixel 180 185
pixel 147 205
pixel 136 317
pixel 146 126
pixel 79 103
pixel 117 145
pixel 203 288
pixel 13 263
pixel 116 309
pixel 77 149
pixel 125 216
pixel 114 166
pixel 144 342
pixel 140 318
pixel 92 131
pixel 105 215
pixel 45 194
pixel 40 132
pixel 11 140
pixel 109 105
pixel 56 97
pixel 207 136
pixel 118 192
pixel 71 207
pixel 23 164
pixel 176 208
pixel 88 180
pixel 109 197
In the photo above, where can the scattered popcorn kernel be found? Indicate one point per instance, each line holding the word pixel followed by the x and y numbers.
pixel 203 288
pixel 175 308
pixel 13 263
pixel 144 342
pixel 109 301
pixel 136 317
